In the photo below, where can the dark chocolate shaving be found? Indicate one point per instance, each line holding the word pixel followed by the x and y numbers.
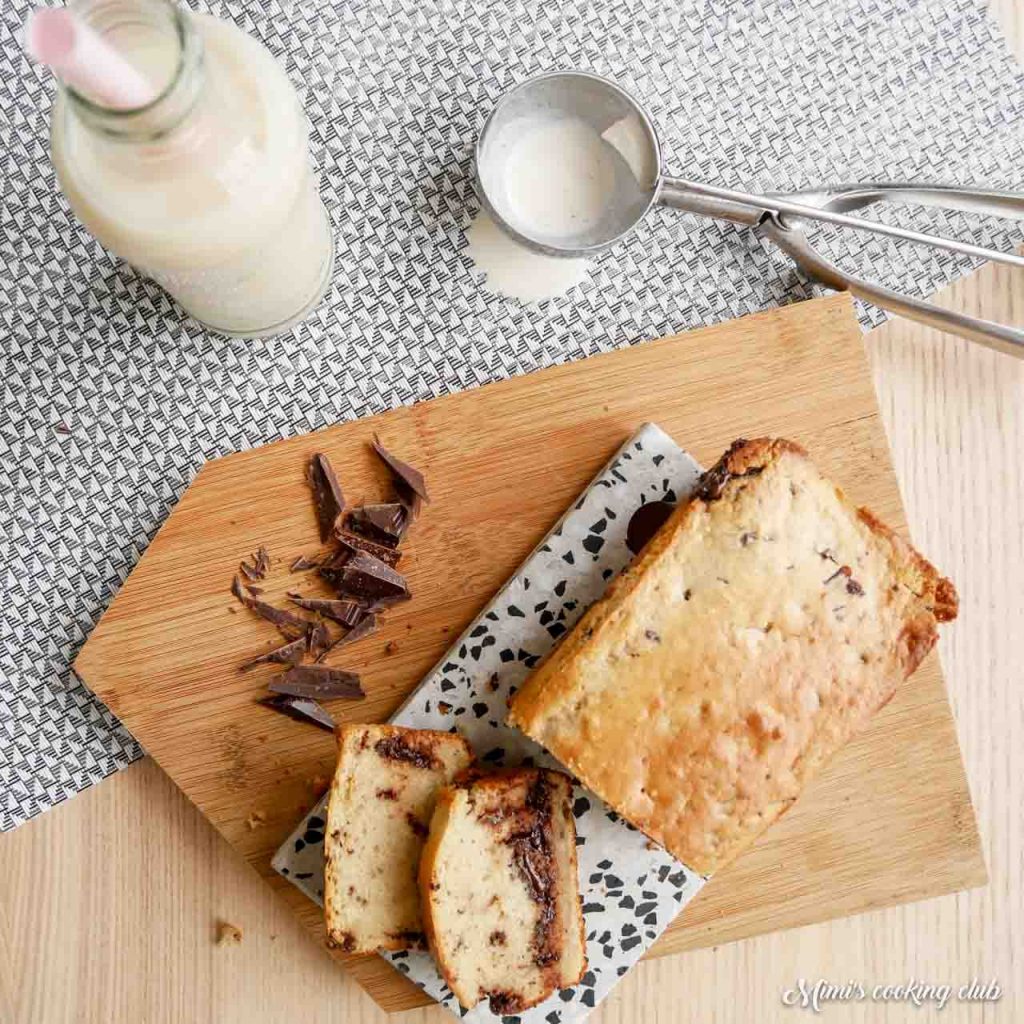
pixel 290 626
pixel 327 494
pixel 409 498
pixel 319 641
pixel 318 682
pixel 402 471
pixel 300 708
pixel 262 561
pixel 353 542
pixel 645 522
pixel 361 630
pixel 384 524
pixel 368 579
pixel 289 654
pixel 302 563
pixel 257 566
pixel 346 613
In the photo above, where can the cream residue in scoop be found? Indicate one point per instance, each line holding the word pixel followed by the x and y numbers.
pixel 629 138
pixel 516 272
pixel 559 178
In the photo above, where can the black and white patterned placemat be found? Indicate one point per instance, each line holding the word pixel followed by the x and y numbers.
pixel 109 401
pixel 631 888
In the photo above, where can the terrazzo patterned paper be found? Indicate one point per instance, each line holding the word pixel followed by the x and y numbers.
pixel 111 401
pixel 631 888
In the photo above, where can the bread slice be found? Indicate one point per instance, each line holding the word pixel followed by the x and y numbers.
pixel 379 809
pixel 756 633
pixel 501 901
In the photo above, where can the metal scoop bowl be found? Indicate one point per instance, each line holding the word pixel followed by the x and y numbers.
pixel 602 104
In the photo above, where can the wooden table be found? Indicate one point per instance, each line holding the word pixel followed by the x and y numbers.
pixel 109 905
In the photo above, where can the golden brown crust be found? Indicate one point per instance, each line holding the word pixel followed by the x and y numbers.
pixel 754 635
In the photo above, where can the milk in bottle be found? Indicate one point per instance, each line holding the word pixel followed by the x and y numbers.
pixel 207 189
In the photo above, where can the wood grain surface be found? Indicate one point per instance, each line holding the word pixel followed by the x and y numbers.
pixel 891 820
pixel 108 906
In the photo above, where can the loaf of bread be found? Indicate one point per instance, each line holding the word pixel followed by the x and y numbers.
pixel 381 801
pixel 754 635
pixel 500 891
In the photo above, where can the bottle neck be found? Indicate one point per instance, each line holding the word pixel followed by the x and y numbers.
pixel 162 42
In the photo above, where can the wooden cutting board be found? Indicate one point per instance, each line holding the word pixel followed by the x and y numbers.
pixel 889 821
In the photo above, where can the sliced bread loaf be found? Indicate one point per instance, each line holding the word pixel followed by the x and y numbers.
pixel 498 879
pixel 381 801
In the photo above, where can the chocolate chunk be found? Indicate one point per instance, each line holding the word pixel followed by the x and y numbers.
pixel 317 681
pixel 396 748
pixel 369 579
pixel 713 482
pixel 361 630
pixel 289 654
pixel 319 641
pixel 346 613
pixel 353 542
pixel 300 708
pixel 384 524
pixel 402 471
pixel 504 1003
pixel 416 825
pixel 645 522
pixel 327 494
pixel 290 626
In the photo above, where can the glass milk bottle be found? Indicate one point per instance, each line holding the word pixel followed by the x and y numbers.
pixel 207 189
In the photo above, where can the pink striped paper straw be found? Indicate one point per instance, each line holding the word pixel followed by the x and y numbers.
pixel 84 60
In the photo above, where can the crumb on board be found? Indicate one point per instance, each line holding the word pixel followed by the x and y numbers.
pixel 390 647
pixel 255 820
pixel 228 934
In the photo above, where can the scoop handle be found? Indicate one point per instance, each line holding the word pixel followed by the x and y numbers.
pixel 744 203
